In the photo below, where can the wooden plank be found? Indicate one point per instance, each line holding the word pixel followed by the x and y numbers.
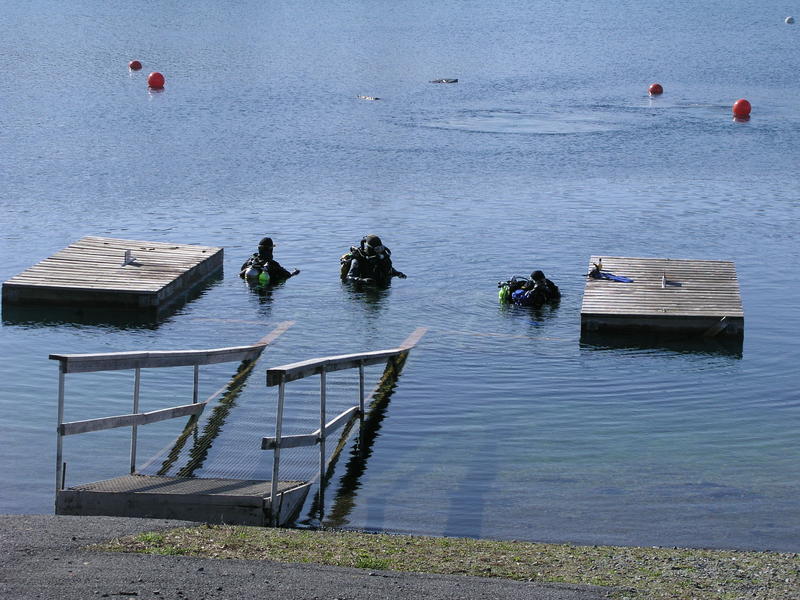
pixel 414 338
pixel 85 363
pixel 672 325
pixel 291 441
pixel 111 258
pixel 311 439
pixel 663 290
pixel 299 370
pixel 100 424
pixel 114 361
pixel 91 270
pixel 340 421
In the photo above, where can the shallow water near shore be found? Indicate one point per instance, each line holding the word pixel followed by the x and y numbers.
pixel 504 423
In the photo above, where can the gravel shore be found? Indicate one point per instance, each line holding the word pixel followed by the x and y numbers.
pixel 48 556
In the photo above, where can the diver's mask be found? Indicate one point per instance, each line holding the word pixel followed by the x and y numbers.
pixel 373 247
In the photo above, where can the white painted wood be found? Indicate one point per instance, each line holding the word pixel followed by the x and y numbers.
pixel 299 370
pixel 314 366
pixel 102 423
pixel 311 439
pixel 291 441
pixel 114 361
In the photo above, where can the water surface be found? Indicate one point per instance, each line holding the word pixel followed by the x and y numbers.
pixel 547 151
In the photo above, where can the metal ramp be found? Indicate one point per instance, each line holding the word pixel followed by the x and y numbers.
pixel 229 501
pixel 166 486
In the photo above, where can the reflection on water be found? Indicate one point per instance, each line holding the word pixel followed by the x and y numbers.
pixel 42 316
pixel 372 298
pixel 471 186
pixel 532 316
pixel 719 345
pixel 505 122
pixel 350 480
pixel 117 317
pixel 191 460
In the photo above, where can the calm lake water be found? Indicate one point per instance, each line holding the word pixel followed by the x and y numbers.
pixel 547 151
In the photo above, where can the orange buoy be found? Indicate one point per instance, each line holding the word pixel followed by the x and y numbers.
pixel 134 65
pixel 155 80
pixel 741 108
pixel 656 89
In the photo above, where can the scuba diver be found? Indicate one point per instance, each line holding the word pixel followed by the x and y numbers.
pixel 369 263
pixel 534 291
pixel 262 269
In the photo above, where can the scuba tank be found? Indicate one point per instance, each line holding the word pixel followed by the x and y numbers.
pixel 257 275
pixel 344 263
pixel 504 294
pixel 507 288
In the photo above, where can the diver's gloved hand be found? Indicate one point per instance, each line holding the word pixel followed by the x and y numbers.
pixel 295 272
pixel 401 275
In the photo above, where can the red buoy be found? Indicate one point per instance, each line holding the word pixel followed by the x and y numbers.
pixel 741 108
pixel 656 89
pixel 155 80
pixel 134 65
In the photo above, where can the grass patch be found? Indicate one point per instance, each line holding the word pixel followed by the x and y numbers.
pixel 651 573
pixel 150 538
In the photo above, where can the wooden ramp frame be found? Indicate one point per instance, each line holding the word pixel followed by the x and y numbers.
pixel 109 272
pixel 691 297
pixel 244 502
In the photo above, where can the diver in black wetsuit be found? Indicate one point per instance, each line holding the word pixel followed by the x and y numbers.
pixel 534 291
pixel 261 268
pixel 370 262
pixel 547 288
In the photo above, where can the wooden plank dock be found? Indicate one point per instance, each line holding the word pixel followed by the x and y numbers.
pixel 109 272
pixel 686 297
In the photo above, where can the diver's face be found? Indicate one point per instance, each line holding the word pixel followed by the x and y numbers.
pixel 376 250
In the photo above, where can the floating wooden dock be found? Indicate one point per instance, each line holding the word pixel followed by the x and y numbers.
pixel 687 297
pixel 110 272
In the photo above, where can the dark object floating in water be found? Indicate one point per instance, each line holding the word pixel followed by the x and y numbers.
pixel 444 80
pixel 368 98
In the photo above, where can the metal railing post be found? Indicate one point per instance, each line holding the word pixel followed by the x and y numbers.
pixel 361 408
pixel 196 390
pixel 361 388
pixel 136 385
pixel 322 399
pixel 276 457
pixel 60 438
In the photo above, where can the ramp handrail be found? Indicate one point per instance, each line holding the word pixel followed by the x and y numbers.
pixel 113 361
pixel 281 375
